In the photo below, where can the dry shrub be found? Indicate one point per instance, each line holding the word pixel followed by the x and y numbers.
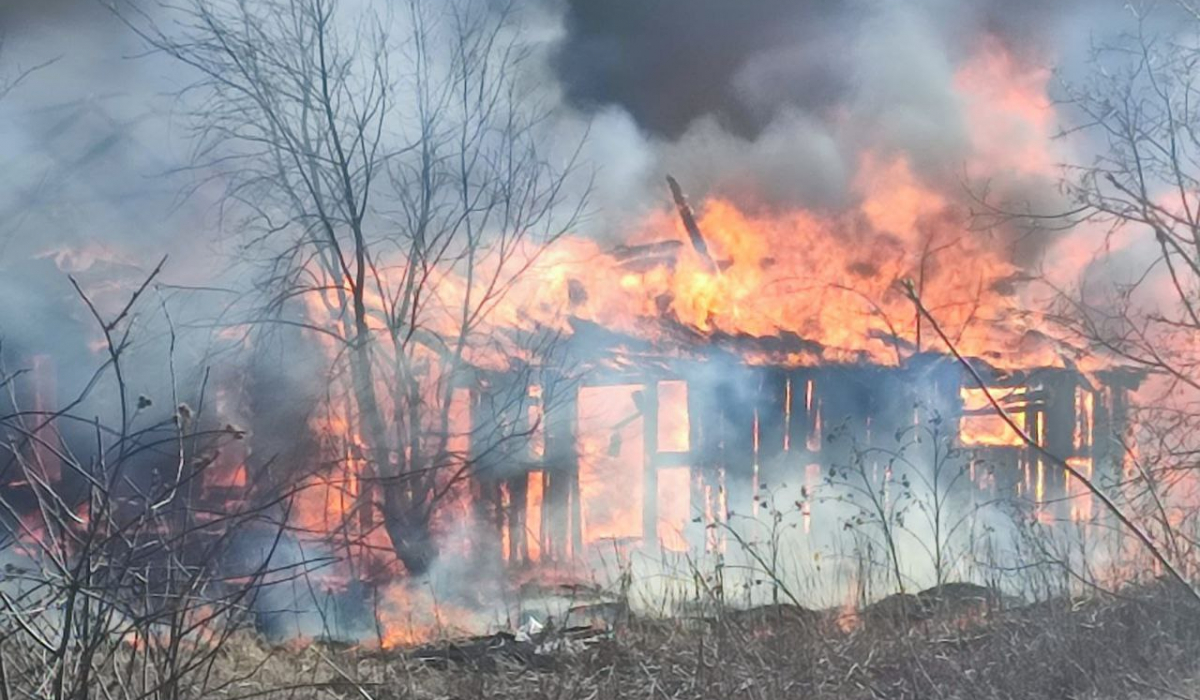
pixel 1125 645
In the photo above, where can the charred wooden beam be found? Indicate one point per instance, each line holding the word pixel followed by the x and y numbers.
pixel 735 406
pixel 649 466
pixel 803 413
pixel 693 228
pixel 1107 452
pixel 647 256
pixel 487 469
pixel 702 450
pixel 1111 431
pixel 624 253
pixel 772 425
pixel 1032 466
pixel 1058 423
pixel 561 503
pixel 518 499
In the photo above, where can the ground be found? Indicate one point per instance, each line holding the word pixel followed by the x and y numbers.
pixel 948 644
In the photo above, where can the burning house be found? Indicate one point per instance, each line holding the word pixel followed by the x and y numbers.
pixel 657 452
pixel 647 394
pixel 651 430
pixel 656 443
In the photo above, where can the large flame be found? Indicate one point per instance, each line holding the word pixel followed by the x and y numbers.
pixel 834 281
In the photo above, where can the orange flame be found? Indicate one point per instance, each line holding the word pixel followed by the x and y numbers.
pixel 981 426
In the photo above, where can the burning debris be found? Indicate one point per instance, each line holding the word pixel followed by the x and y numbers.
pixel 533 646
pixel 689 224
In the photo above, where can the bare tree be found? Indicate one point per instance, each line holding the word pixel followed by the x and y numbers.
pixel 121 572
pixel 11 79
pixel 393 189
pixel 1141 191
pixel 1136 204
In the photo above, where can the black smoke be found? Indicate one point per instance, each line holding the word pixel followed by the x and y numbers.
pixel 668 63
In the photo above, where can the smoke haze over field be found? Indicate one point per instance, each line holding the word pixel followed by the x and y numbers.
pixel 772 105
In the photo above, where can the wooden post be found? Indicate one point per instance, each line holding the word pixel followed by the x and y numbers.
pixel 1032 462
pixel 771 409
pixel 649 466
pixel 518 548
pixel 1111 430
pixel 805 443
pixel 735 404
pixel 698 458
pixel 1059 425
pixel 561 502
pixel 486 501
pixel 1102 432
pixel 803 421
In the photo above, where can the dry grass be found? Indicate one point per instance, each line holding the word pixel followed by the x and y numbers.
pixel 1144 643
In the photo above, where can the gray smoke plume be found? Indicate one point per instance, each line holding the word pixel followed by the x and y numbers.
pixel 769 102
pixel 742 63
pixel 772 103
pixel 668 65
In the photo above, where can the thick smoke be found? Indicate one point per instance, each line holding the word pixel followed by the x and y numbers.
pixel 773 103
pixel 668 66
pixel 89 148
pixel 744 63
pixel 770 103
